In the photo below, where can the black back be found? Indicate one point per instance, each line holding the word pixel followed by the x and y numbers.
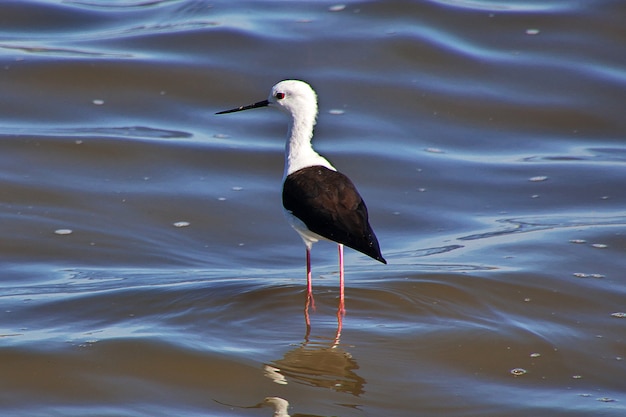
pixel 328 204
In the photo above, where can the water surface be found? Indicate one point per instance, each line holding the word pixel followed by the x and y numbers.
pixel 147 269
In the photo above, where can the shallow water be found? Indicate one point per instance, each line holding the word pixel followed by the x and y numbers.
pixel 148 269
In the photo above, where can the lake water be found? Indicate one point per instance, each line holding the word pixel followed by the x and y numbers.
pixel 147 269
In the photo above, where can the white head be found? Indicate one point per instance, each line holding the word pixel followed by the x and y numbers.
pixel 294 97
pixel 297 99
pixel 291 96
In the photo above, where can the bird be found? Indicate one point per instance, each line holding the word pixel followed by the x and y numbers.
pixel 319 202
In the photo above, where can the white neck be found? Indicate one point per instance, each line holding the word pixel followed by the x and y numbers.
pixel 298 150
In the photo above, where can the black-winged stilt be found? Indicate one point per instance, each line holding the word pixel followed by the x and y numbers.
pixel 320 203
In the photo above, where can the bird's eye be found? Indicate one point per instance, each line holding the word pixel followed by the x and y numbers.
pixel 280 96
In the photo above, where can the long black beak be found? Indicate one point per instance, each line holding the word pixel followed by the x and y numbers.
pixel 249 106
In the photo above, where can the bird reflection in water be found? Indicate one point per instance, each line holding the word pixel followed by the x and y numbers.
pixel 280 406
pixel 308 305
pixel 320 364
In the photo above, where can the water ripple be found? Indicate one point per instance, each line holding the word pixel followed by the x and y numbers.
pixel 502 6
pixel 533 224
pixel 137 132
pixel 130 4
pixel 29 48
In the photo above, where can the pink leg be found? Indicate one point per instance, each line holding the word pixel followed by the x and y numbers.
pixel 339 325
pixel 307 320
pixel 309 285
pixel 342 309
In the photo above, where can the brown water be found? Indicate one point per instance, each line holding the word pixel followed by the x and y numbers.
pixel 487 137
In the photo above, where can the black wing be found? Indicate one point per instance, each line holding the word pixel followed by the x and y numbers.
pixel 328 203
